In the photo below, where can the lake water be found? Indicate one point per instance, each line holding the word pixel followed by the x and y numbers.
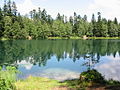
pixel 62 59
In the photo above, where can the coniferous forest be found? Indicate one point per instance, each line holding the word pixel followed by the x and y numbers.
pixel 39 24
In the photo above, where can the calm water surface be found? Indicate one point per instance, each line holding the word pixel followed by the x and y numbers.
pixel 62 59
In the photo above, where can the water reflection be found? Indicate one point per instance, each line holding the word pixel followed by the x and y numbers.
pixel 53 58
pixel 111 68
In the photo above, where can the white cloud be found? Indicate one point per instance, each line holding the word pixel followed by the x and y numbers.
pixel 25 64
pixel 112 58
pixel 59 74
pixel 108 8
pixel 26 7
pixel 110 69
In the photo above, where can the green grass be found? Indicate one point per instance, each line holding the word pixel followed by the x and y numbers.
pixel 103 37
pixel 37 83
pixel 40 83
pixel 64 38
pixel 54 38
pixel 76 37
pixel 3 39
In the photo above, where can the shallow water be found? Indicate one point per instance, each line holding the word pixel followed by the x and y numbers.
pixel 62 59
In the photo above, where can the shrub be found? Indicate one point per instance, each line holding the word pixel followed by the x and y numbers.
pixel 93 75
pixel 7 78
pixel 113 82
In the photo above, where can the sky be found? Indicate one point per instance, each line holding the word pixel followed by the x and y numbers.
pixel 109 8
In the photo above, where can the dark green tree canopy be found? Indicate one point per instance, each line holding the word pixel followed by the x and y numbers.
pixel 40 24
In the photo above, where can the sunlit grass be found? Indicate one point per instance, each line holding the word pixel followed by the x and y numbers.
pixel 37 83
pixel 104 38
pixel 82 38
pixel 75 38
pixel 64 38
pixel 57 38
pixel 3 39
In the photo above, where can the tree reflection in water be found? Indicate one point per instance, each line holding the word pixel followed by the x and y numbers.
pixel 39 51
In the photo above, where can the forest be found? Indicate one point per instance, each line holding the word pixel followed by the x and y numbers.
pixel 39 24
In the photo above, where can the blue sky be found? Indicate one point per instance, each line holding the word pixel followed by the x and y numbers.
pixel 108 8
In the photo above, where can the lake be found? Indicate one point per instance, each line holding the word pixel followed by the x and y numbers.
pixel 62 59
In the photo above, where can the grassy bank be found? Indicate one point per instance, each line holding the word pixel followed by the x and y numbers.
pixel 103 37
pixel 82 38
pixel 90 79
pixel 64 38
pixel 38 83
pixel 3 39
pixel 59 38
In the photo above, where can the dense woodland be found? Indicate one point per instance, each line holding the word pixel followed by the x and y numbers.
pixel 39 24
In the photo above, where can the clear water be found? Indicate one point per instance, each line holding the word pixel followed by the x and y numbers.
pixel 62 59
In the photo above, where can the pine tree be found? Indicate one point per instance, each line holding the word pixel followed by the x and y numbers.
pixel 115 21
pixel 9 11
pixel 58 17
pixel 71 20
pixel 14 9
pixel 44 15
pixel 85 17
pixel 5 9
pixel 1 22
pixel 94 25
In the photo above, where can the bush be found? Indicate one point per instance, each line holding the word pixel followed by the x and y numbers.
pixel 6 84
pixel 7 78
pixel 113 82
pixel 93 76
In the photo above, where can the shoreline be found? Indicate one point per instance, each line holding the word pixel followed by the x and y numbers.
pixel 75 84
pixel 66 38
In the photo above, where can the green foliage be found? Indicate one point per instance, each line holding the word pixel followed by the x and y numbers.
pixel 42 25
pixel 93 76
pixel 7 27
pixel 7 78
pixel 113 82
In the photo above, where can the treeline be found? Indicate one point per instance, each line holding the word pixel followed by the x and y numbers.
pixel 39 24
